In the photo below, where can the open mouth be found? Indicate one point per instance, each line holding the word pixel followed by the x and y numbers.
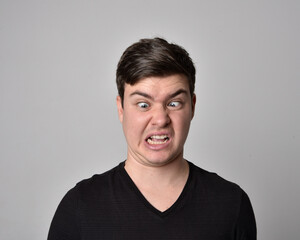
pixel 157 139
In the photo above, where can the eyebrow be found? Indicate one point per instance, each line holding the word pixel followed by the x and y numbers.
pixel 146 95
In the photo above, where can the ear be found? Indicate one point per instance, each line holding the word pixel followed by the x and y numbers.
pixel 120 108
pixel 193 105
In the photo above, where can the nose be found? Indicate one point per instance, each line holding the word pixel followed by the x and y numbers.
pixel 160 117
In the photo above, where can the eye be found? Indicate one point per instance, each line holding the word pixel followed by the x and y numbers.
pixel 143 105
pixel 174 104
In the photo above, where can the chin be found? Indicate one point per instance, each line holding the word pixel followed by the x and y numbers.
pixel 159 162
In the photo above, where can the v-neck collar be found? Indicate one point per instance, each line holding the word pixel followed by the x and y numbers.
pixel 179 201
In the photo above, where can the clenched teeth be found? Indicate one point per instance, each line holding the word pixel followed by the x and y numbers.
pixel 158 136
pixel 157 139
pixel 156 142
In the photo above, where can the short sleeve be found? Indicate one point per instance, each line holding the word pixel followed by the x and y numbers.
pixel 245 228
pixel 65 223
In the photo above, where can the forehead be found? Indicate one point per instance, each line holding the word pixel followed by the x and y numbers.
pixel 159 86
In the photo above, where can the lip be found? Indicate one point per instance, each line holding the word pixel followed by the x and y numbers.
pixel 158 146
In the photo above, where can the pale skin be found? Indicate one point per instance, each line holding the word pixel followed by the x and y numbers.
pixel 156 116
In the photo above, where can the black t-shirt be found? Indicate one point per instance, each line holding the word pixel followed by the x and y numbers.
pixel 110 206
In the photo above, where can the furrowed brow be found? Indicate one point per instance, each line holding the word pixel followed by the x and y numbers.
pixel 146 95
pixel 178 92
pixel 141 94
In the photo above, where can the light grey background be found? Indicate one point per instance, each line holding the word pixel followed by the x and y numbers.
pixel 59 122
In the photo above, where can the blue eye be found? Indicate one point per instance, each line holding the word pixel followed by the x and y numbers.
pixel 174 104
pixel 143 105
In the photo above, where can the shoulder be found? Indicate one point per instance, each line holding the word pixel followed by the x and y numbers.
pixel 103 178
pixel 214 185
pixel 95 186
pixel 225 199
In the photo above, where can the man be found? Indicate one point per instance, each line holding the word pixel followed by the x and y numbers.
pixel 155 193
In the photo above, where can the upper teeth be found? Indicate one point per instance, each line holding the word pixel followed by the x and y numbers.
pixel 159 136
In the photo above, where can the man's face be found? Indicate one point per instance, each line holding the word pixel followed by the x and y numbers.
pixel 156 116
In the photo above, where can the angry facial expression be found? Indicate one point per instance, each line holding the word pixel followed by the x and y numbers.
pixel 156 115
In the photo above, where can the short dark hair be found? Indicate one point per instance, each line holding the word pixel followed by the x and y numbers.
pixel 153 57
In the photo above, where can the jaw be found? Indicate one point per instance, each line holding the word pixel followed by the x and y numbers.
pixel 154 158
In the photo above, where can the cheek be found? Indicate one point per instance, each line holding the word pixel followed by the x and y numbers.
pixel 181 123
pixel 134 123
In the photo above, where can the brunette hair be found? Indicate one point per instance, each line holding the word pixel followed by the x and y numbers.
pixel 153 57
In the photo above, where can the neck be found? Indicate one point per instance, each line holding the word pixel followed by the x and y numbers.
pixel 171 174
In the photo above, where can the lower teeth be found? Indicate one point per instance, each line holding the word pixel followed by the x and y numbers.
pixel 156 142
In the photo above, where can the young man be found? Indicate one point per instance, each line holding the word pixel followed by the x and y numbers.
pixel 155 193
